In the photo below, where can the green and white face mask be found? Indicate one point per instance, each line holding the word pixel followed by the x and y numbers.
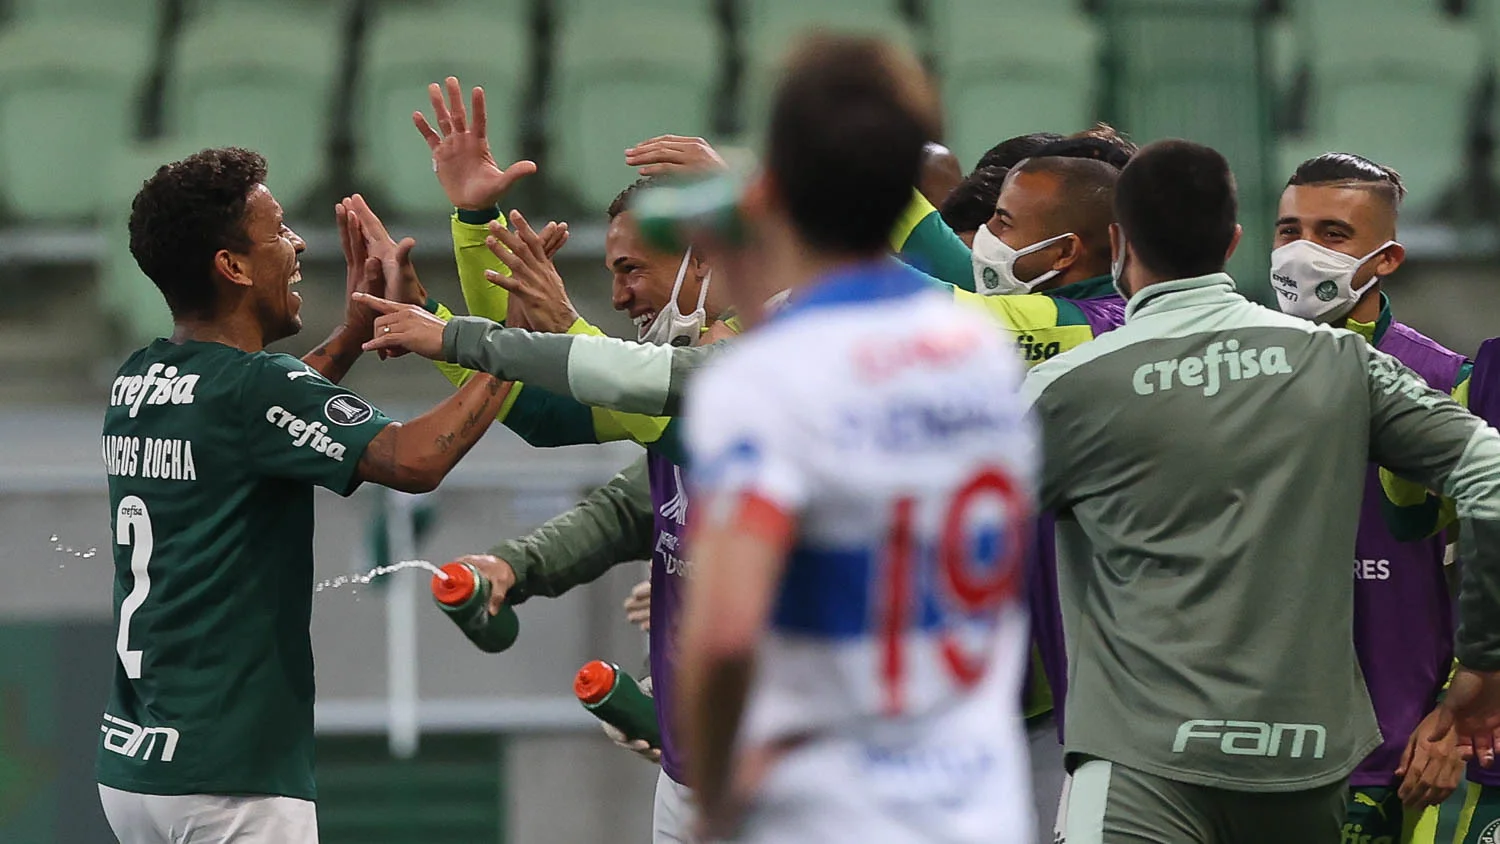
pixel 995 264
pixel 1316 283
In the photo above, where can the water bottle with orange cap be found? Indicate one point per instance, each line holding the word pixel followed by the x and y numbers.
pixel 616 698
pixel 463 593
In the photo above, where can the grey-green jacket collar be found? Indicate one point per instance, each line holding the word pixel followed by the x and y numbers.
pixel 1181 293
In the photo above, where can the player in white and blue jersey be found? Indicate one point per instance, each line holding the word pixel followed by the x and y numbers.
pixel 855 637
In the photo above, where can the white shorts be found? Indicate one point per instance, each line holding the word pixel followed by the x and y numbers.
pixel 208 818
pixel 674 814
pixel 836 790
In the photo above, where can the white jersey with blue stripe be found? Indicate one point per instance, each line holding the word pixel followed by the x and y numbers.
pixel 884 420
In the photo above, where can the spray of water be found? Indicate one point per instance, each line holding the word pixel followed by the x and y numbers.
pixel 379 571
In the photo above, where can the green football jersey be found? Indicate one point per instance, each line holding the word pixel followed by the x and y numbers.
pixel 212 455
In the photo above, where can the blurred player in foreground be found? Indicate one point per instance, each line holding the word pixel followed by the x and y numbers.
pixel 213 446
pixel 854 639
pixel 1210 518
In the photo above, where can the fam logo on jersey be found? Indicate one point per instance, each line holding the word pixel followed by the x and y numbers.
pixel 347 410
pixel 132 740
pixel 160 385
pixel 304 434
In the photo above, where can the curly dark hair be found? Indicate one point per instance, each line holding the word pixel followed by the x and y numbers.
pixel 184 214
pixel 972 203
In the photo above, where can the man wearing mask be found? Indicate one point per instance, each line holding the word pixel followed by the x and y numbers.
pixel 1216 693
pixel 1335 241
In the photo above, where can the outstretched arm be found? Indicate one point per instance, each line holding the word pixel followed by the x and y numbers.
pixel 415 456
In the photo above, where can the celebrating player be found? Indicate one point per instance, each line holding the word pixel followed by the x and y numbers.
pixel 1216 695
pixel 213 446
pixel 1335 242
pixel 855 637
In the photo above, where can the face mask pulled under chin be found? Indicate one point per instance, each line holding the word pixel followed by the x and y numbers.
pixel 1316 283
pixel 671 327
pixel 994 263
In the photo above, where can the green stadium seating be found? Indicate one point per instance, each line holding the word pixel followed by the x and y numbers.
pixel 570 9
pixel 769 29
pixel 68 94
pixel 405 49
pixel 620 79
pixel 1399 91
pixel 145 14
pixel 253 81
pixel 1009 68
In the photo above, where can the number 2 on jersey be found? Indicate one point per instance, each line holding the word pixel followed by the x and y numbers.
pixel 969 588
pixel 133 528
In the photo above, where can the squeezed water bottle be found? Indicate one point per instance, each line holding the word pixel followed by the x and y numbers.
pixel 464 594
pixel 616 698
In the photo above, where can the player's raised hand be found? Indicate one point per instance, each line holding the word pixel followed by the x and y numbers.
pixel 403 284
pixel 461 151
pixel 402 326
pixel 533 279
pixel 1430 767
pixel 500 574
pixel 673 154
pixel 361 273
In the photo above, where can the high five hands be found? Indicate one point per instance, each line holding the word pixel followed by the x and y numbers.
pixel 461 150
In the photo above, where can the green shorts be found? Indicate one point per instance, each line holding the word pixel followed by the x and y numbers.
pixel 1376 816
pixel 1470 816
pixel 1112 804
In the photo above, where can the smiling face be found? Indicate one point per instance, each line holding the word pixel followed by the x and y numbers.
pixel 642 278
pixel 271 267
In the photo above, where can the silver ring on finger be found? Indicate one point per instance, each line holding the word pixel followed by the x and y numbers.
pixel 386 330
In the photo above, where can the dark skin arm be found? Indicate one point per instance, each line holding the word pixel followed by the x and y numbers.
pixel 415 456
pixel 334 357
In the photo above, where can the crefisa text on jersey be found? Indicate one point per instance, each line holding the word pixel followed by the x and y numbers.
pixel 160 385
pixel 149 457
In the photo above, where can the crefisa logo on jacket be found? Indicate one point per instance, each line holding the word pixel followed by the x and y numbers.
pixel 347 410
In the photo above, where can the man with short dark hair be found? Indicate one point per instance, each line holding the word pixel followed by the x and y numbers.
pixel 854 640
pixel 1335 240
pixel 972 203
pixel 1206 523
pixel 213 446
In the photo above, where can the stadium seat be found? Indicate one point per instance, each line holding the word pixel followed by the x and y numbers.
pixel 68 101
pixel 770 28
pixel 145 14
pixel 620 79
pixel 1399 93
pixel 253 81
pixel 569 9
pixel 407 48
pixel 1012 68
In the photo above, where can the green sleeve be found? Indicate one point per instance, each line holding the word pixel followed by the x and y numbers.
pixel 545 420
pixel 302 427
pixel 924 241
pixel 599 371
pixel 612 525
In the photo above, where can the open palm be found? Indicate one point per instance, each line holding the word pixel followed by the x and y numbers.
pixel 461 152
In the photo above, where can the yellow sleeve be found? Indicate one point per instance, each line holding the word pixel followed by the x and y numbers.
pixel 459 376
pixel 914 214
pixel 473 258
pixel 1032 319
pixel 1404 493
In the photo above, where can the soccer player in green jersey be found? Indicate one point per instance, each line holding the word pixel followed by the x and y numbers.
pixel 213 446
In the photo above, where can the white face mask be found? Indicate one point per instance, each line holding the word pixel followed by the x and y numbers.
pixel 671 327
pixel 995 264
pixel 1316 283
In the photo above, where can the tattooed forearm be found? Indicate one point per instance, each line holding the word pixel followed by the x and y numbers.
pixel 333 357
pixel 445 442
